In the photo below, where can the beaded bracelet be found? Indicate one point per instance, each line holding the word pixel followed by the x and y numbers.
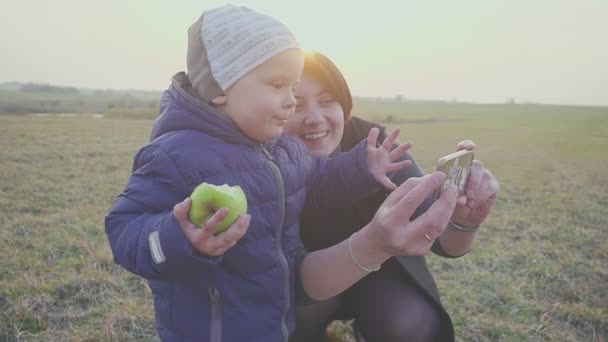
pixel 464 228
pixel 352 255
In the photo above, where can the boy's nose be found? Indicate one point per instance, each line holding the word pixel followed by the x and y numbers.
pixel 291 101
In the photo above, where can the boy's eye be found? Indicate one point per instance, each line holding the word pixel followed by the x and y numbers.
pixel 277 84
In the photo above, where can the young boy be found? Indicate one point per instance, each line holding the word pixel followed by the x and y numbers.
pixel 222 123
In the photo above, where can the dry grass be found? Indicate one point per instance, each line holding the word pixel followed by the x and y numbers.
pixel 538 272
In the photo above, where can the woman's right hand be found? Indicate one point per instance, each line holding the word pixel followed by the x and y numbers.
pixel 391 231
pixel 203 239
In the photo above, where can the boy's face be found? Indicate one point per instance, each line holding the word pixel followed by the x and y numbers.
pixel 261 101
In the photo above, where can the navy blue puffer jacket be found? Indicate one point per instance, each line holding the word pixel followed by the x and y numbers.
pixel 247 294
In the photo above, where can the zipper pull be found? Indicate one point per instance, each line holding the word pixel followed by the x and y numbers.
pixel 266 152
pixel 213 294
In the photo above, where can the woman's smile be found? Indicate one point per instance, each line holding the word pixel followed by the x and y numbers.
pixel 315 136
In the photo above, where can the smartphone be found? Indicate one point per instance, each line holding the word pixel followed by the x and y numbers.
pixel 457 168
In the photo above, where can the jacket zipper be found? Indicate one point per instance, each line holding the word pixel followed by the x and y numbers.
pixel 215 329
pixel 279 237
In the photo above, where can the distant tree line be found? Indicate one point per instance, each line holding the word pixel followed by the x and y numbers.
pixel 43 98
pixel 47 88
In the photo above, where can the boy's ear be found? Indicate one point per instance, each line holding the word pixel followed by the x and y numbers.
pixel 219 100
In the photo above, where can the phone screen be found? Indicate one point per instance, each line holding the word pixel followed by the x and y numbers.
pixel 457 168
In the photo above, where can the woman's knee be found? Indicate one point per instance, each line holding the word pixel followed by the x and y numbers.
pixel 410 318
pixel 390 307
pixel 422 325
pixel 312 320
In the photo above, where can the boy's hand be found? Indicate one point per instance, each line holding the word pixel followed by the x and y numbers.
pixel 203 238
pixel 381 160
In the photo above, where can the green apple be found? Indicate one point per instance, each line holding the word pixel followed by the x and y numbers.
pixel 208 198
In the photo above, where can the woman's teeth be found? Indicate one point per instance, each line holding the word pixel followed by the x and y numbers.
pixel 313 136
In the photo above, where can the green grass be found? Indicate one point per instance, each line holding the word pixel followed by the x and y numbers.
pixel 539 270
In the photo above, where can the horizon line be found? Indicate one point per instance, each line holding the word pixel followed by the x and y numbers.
pixel 393 98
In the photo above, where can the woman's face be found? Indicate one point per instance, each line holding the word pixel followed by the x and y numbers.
pixel 318 119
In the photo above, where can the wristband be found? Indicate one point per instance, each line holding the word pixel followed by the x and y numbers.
pixel 464 228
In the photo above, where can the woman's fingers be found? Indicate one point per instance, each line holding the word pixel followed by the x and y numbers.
pixel 406 205
pixel 436 218
pixel 466 145
pixel 403 189
pixel 489 188
pixel 474 185
pixel 461 201
pixel 494 188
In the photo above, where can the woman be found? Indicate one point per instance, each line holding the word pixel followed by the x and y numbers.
pixel 400 302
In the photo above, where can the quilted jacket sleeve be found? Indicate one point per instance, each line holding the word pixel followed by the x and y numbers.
pixel 144 235
pixel 341 180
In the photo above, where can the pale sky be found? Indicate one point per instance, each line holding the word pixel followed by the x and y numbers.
pixel 548 51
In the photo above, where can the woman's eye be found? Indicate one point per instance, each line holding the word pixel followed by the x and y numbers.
pixel 277 85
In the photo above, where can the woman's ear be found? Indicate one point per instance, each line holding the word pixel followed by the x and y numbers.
pixel 219 100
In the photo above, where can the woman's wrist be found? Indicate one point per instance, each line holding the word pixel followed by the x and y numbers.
pixel 351 251
pixel 366 250
pixel 463 227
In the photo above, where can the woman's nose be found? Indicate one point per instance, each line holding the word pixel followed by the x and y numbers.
pixel 313 115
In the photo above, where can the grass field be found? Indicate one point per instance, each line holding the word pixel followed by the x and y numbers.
pixel 539 270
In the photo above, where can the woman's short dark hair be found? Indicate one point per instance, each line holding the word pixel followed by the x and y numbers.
pixel 323 70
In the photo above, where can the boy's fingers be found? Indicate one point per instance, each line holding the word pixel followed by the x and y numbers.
pixel 372 137
pixel 234 233
pixel 394 167
pixel 387 183
pixel 399 151
pixel 208 229
pixel 223 248
pixel 390 140
pixel 181 210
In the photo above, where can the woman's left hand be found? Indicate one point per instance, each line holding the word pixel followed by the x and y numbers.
pixel 482 189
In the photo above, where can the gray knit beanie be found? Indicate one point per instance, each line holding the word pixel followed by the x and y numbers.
pixel 227 42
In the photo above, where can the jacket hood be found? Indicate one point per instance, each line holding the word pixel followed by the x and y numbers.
pixel 180 110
